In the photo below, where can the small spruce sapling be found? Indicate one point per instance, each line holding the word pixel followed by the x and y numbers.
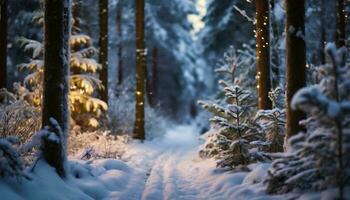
pixel 272 123
pixel 235 142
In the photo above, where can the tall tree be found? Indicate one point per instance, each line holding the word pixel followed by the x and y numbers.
pixel 119 18
pixel 340 32
pixel 56 79
pixel 296 55
pixel 103 44
pixel 263 53
pixel 3 43
pixel 139 127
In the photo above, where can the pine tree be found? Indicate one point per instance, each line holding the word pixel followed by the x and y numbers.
pixel 340 36
pixel 318 158
pixel 3 43
pixel 56 80
pixel 295 69
pixel 141 53
pixel 84 108
pixel 103 47
pixel 262 32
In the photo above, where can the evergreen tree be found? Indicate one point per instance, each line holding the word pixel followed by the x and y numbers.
pixel 318 159
pixel 84 108
pixel 224 27
pixel 3 43
pixel 56 81
pixel 295 68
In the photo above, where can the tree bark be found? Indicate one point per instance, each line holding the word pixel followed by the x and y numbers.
pixel 340 32
pixel 139 127
pixel 103 44
pixel 263 53
pixel 295 69
pixel 120 45
pixel 56 78
pixel 3 43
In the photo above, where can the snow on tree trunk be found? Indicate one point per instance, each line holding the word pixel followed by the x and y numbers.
pixel 3 43
pixel 139 127
pixel 103 45
pixel 263 53
pixel 295 69
pixel 340 32
pixel 56 79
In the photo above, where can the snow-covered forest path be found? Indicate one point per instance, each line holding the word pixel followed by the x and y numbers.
pixel 170 169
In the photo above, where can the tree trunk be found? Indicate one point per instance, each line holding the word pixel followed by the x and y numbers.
pixel 56 78
pixel 263 53
pixel 103 43
pixel 3 43
pixel 120 45
pixel 139 127
pixel 340 32
pixel 295 69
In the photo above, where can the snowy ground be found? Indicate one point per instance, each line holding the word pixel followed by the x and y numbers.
pixel 162 169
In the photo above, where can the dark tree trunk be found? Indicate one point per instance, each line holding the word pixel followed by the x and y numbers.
pixel 120 45
pixel 139 127
pixel 263 53
pixel 3 43
pixel 56 78
pixel 295 69
pixel 340 32
pixel 103 44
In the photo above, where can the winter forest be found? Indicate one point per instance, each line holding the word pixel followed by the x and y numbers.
pixel 174 100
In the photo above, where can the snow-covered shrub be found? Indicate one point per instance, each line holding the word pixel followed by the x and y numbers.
pixel 272 123
pixel 10 160
pixel 19 119
pixel 319 158
pixel 95 144
pixel 85 108
pixel 236 141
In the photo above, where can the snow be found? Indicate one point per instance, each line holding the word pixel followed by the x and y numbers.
pixel 167 168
